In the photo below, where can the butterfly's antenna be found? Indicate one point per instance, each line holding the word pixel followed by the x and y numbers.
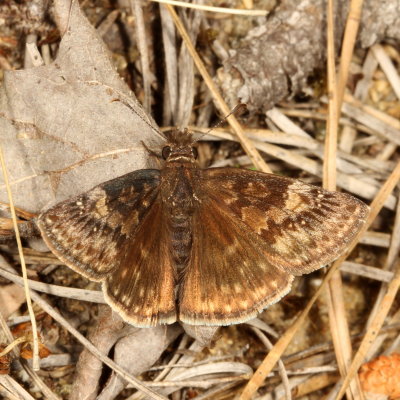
pixel 140 116
pixel 239 109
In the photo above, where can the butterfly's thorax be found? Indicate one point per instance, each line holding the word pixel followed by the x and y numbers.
pixel 178 194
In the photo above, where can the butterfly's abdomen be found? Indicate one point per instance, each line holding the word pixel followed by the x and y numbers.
pixel 179 202
pixel 181 240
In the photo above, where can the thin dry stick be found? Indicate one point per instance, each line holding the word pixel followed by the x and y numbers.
pixel 372 331
pixel 348 135
pixel 388 68
pixel 281 366
pixel 19 211
pixel 337 314
pixel 197 383
pixel 350 34
pixel 143 51
pixel 13 344
pixel 7 333
pixel 37 380
pixel 390 259
pixel 12 390
pixel 314 383
pixel 95 296
pixel 203 7
pixel 219 101
pixel 280 346
pixel 35 361
pixel 171 62
pixel 387 119
pixel 329 165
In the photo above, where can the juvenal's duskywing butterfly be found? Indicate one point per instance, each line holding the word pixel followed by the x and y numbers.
pixel 203 246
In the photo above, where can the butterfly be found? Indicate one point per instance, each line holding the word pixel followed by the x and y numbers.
pixel 209 246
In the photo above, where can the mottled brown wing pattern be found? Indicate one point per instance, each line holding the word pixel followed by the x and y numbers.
pixel 104 235
pixel 228 279
pixel 142 288
pixel 251 233
pixel 89 231
pixel 303 227
pixel 237 238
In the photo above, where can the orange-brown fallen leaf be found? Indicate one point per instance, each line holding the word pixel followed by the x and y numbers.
pixel 25 329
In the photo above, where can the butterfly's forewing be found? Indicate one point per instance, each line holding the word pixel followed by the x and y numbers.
pixel 100 235
pixel 87 232
pixel 303 227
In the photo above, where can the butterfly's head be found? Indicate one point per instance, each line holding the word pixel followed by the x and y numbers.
pixel 180 147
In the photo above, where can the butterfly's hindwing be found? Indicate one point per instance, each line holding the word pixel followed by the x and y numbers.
pixel 228 279
pixel 142 288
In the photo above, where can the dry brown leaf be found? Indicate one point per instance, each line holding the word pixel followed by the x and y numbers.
pixel 61 123
pixel 24 330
